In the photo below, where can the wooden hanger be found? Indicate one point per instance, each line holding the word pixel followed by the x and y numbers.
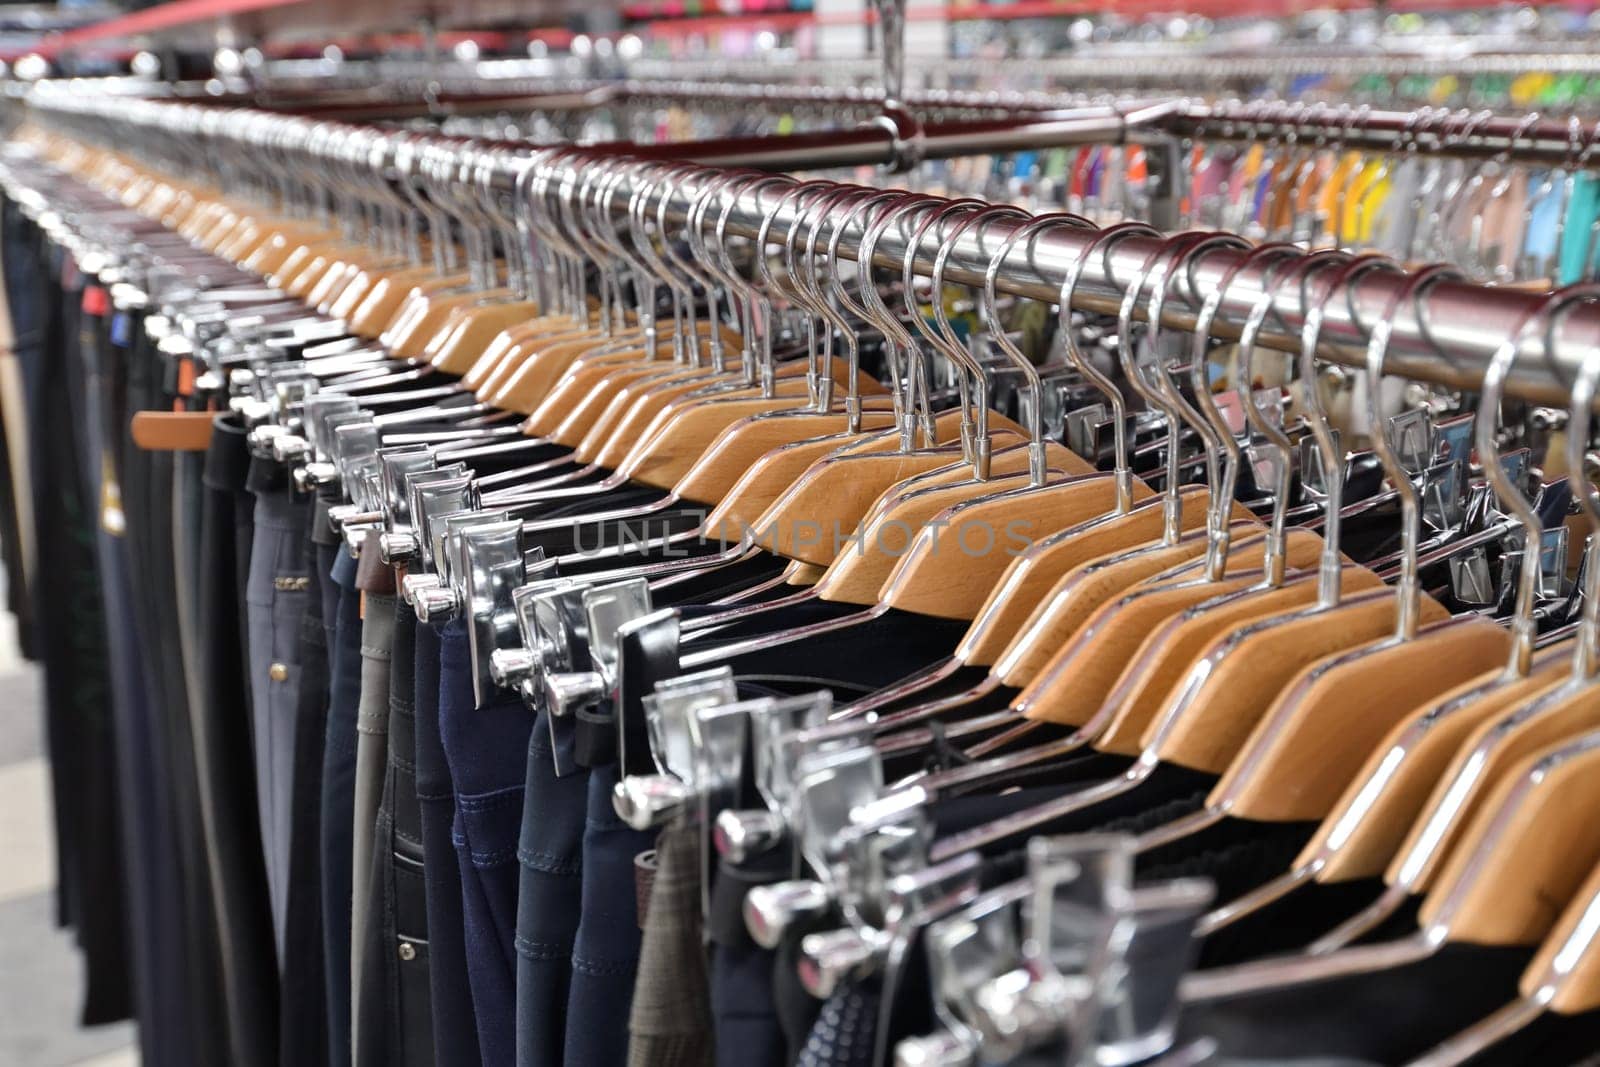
pixel 1512 732
pixel 1564 978
pixel 1114 644
pixel 1522 862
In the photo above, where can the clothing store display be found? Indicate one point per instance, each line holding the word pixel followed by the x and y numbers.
pixel 515 603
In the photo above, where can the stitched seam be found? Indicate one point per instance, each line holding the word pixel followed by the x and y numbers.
pixel 549 862
pixel 491 801
pixel 497 858
pixel 541 950
pixel 601 968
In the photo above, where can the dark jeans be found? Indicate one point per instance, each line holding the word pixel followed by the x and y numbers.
pixel 338 798
pixel 485 748
pixel 455 1029
pixel 304 1024
pixel 605 955
pixel 223 751
pixel 394 1016
pixel 80 727
pixel 550 902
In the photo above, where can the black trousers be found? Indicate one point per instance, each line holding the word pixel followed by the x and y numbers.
pixel 223 747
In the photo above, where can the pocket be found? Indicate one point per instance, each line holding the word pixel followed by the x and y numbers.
pixel 413 991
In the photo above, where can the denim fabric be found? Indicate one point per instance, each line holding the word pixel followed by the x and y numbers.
pixel 338 798
pixel 222 744
pixel 455 1029
pixel 485 747
pixel 303 1024
pixel 550 898
pixel 745 1024
pixel 606 953
pixel 372 760
pixel 151 880
pixel 744 1006
pixel 394 1016
pixel 276 595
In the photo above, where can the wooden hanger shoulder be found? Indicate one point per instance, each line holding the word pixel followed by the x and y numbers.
pixel 686 430
pixel 370 278
pixel 299 277
pixel 525 372
pixel 1079 677
pixel 410 340
pixel 1164 659
pixel 640 426
pixel 1527 851
pixel 1076 682
pixel 1248 671
pixel 744 444
pixel 415 301
pixel 603 434
pixel 835 494
pixel 1391 790
pixel 1063 609
pixel 1565 972
pixel 469 338
pixel 1495 748
pixel 570 409
pixel 1031 576
pixel 1314 738
pixel 515 345
pixel 774 474
pixel 333 281
pixel 377 309
pixel 172 431
pixel 958 560
pixel 900 519
pixel 462 313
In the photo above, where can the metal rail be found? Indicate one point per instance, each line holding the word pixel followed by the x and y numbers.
pixel 1447 338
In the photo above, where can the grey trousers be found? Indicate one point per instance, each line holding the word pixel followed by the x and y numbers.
pixel 275 597
pixel 372 759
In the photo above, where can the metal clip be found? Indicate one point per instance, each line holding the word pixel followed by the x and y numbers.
pixel 490 564
pixel 605 608
pixel 402 541
pixel 437 603
pixel 432 498
pixel 676 737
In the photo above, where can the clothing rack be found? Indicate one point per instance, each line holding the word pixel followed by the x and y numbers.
pixel 1449 341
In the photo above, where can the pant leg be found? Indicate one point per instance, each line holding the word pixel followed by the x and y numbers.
pixel 275 595
pixel 372 754
pixel 152 878
pixel 605 956
pixel 149 522
pixel 550 896
pixel 743 1005
pixel 485 747
pixel 455 1030
pixel 394 1014
pixel 224 755
pixel 304 1017
pixel 670 1021
pixel 338 798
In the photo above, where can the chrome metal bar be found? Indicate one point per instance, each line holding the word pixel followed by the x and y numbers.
pixel 1449 341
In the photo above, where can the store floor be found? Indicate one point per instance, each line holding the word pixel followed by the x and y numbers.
pixel 41 973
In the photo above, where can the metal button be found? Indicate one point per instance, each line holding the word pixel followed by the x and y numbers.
pixel 408 951
pixel 278 672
